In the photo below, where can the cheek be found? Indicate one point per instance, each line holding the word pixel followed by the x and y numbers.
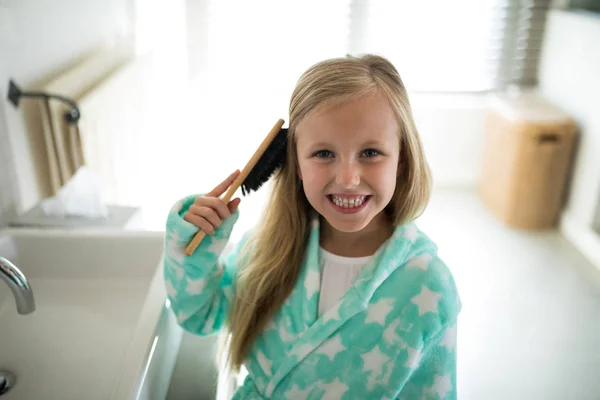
pixel 387 176
pixel 313 177
pixel 301 165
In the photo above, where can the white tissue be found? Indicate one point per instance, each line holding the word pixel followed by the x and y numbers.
pixel 81 196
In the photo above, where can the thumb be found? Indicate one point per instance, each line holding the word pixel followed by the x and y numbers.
pixel 233 204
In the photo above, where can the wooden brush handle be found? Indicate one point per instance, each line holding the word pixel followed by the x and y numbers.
pixel 238 182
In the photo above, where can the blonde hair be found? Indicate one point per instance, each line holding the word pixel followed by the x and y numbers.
pixel 278 245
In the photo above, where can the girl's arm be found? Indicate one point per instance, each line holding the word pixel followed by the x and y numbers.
pixel 200 287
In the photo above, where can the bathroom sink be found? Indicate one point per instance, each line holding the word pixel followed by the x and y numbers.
pixel 100 321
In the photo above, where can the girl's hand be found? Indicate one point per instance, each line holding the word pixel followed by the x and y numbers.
pixel 209 211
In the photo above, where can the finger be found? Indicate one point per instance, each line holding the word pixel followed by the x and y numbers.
pixel 200 223
pixel 216 204
pixel 208 214
pixel 222 187
pixel 233 204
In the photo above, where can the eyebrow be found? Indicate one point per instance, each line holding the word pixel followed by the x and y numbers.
pixel 370 143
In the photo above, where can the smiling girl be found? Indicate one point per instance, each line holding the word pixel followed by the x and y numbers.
pixel 336 294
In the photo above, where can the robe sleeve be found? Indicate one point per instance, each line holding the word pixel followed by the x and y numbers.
pixel 200 287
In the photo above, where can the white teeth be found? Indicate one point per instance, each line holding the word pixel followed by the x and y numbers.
pixel 348 202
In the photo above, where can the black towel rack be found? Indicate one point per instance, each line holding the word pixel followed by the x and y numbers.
pixel 15 93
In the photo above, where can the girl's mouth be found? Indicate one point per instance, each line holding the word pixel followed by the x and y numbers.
pixel 348 204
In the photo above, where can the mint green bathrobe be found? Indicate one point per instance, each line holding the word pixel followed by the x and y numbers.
pixel 392 335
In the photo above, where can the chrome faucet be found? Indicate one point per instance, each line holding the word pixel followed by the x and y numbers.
pixel 18 284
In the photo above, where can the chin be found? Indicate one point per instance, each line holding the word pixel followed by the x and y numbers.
pixel 347 226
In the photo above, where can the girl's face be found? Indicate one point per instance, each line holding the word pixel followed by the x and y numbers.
pixel 348 158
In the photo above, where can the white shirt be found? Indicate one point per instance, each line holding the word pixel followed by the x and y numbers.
pixel 337 274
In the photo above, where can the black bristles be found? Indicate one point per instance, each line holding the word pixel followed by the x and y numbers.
pixel 272 158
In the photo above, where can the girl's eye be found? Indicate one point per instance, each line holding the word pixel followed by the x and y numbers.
pixel 323 154
pixel 369 153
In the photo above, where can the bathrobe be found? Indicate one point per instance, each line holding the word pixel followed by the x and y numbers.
pixel 391 336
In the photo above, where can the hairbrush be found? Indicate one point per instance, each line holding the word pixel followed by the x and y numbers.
pixel 269 156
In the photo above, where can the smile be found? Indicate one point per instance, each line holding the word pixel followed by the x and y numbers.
pixel 348 204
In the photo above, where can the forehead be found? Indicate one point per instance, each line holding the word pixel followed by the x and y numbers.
pixel 367 118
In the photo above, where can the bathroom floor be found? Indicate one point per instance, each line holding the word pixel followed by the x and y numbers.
pixel 530 325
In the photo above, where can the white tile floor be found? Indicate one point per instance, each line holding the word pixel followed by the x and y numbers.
pixel 530 326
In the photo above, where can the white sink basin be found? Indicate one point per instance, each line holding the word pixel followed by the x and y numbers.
pixel 99 319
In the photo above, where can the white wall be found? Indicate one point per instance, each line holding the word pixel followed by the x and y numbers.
pixel 452 129
pixel 38 40
pixel 8 189
pixel 570 77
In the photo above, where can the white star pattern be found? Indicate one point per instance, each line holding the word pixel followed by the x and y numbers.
pixel 171 291
pixel 217 245
pixel 449 340
pixel 183 316
pixel 385 379
pixel 177 239
pixel 335 389
pixel 372 380
pixel 332 347
pixel 302 351
pixel 177 207
pixel 426 301
pixel 378 312
pixel 195 287
pixel 414 358
pixel 441 386
pixel 382 277
pixel 411 233
pixel 311 283
pixel 264 362
pixel 271 324
pixel 397 259
pixel 421 262
pixel 175 251
pixel 179 271
pixel 374 361
pixel 389 334
pixel 284 334
pixel 297 394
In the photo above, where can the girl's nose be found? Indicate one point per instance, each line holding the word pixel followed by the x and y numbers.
pixel 348 175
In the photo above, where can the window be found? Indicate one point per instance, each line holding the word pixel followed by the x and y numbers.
pixel 437 45
pixel 461 45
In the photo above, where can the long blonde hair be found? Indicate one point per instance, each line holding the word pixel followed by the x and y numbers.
pixel 276 250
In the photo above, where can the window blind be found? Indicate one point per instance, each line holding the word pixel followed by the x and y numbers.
pixel 437 45
pixel 519 35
